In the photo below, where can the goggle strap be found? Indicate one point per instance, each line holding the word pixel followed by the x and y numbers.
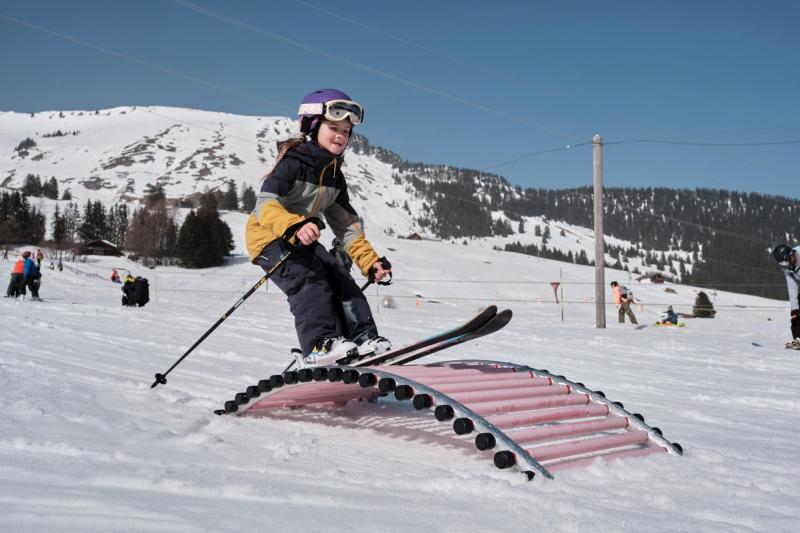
pixel 310 109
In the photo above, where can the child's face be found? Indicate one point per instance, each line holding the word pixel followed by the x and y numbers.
pixel 333 136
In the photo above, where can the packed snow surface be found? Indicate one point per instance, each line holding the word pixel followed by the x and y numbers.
pixel 87 445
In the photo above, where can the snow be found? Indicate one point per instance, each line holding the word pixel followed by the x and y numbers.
pixel 87 445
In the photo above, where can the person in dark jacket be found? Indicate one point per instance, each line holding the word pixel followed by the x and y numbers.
pixel 33 276
pixel 787 259
pixel 128 289
pixel 669 316
pixel 332 316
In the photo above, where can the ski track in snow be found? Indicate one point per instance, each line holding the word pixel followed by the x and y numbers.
pixel 87 445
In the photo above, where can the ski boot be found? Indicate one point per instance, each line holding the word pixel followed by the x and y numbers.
pixel 326 352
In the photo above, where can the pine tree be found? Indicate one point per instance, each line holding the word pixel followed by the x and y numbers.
pixel 94 225
pixel 249 199
pixel 192 249
pixel 59 229
pixel 204 239
pixel 37 228
pixel 50 189
pixel 32 186
pixel 154 195
pixel 703 308
pixel 230 198
pixel 72 221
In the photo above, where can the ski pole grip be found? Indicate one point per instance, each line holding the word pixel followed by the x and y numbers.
pixel 386 265
pixel 292 230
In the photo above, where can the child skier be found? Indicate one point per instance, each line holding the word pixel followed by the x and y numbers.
pixel 787 259
pixel 332 316
pixel 669 316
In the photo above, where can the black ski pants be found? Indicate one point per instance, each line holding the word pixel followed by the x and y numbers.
pixel 13 286
pixel 324 299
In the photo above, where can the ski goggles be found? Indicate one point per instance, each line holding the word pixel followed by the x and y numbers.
pixel 335 110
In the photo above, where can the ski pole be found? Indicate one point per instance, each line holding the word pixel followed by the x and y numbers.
pixel 162 378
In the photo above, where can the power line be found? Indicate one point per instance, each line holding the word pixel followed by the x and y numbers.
pixel 142 62
pixel 689 143
pixel 531 154
pixel 361 66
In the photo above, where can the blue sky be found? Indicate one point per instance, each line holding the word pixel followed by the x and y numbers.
pixel 499 86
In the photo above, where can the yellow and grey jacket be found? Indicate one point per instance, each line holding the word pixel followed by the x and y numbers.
pixel 308 182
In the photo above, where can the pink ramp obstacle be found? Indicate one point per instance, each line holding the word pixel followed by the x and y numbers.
pixel 536 421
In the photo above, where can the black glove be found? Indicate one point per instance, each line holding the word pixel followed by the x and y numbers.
pixel 292 230
pixel 795 316
pixel 387 266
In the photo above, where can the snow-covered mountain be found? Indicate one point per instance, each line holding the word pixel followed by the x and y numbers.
pixel 120 154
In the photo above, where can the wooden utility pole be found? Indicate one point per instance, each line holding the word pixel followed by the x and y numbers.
pixel 599 252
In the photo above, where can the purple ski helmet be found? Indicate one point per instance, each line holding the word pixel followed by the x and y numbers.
pixel 330 104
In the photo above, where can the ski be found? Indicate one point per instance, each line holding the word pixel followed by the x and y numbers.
pixel 496 323
pixel 475 323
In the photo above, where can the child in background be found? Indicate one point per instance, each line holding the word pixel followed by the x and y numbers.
pixel 669 316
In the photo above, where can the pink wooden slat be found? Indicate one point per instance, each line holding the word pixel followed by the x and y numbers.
pixel 578 447
pixel 569 429
pixel 435 381
pixel 519 420
pixel 408 370
pixel 510 406
pixel 586 461
pixel 508 393
pixel 474 386
pixel 432 371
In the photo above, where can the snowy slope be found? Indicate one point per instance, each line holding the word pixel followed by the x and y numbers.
pixel 86 445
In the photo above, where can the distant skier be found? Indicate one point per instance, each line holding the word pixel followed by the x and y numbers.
pixel 128 289
pixel 16 284
pixel 332 316
pixel 623 298
pixel 33 277
pixel 669 316
pixel 787 259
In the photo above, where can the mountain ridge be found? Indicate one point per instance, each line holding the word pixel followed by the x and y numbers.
pixel 120 154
